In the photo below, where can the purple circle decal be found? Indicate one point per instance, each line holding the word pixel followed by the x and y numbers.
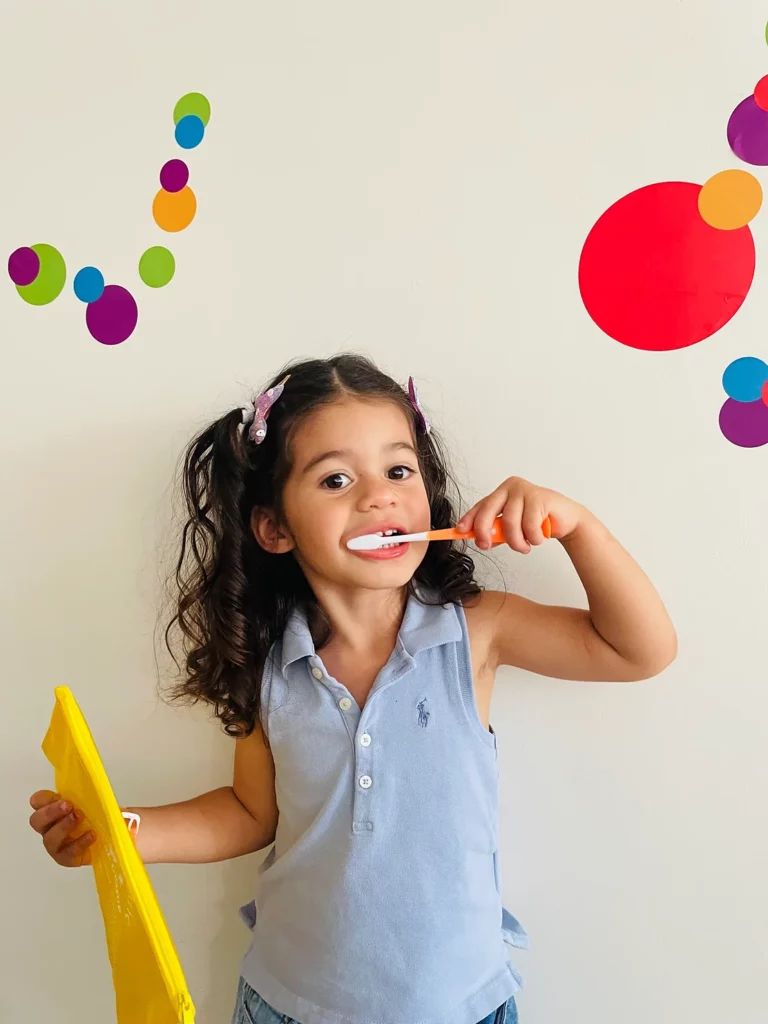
pixel 174 176
pixel 748 133
pixel 745 423
pixel 23 266
pixel 113 317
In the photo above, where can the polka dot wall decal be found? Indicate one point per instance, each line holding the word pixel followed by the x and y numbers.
pixel 88 284
pixel 730 199
pixel 113 317
pixel 50 279
pixel 39 271
pixel 745 423
pixel 157 267
pixel 174 175
pixel 655 276
pixel 193 103
pixel 744 415
pixel 761 93
pixel 190 131
pixel 174 211
pixel 23 266
pixel 744 379
pixel 748 133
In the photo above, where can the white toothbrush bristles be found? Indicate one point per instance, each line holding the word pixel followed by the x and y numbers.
pixel 370 542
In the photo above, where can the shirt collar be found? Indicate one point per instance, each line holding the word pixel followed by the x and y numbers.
pixel 297 640
pixel 424 626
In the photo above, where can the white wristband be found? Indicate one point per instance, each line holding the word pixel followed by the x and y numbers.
pixel 133 821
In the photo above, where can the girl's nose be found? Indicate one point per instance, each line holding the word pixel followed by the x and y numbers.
pixel 377 493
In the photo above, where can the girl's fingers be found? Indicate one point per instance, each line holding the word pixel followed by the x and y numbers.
pixel 484 519
pixel 55 819
pixel 43 819
pixel 42 798
pixel 534 515
pixel 466 522
pixel 76 852
pixel 512 521
pixel 522 517
pixel 57 834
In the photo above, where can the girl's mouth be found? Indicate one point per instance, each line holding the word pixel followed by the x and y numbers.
pixel 387 551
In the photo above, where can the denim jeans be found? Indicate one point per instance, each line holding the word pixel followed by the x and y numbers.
pixel 251 1009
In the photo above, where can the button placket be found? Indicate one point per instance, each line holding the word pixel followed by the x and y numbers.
pixel 349 712
pixel 365 775
pixel 351 715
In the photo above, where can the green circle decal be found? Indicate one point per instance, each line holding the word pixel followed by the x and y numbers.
pixel 157 266
pixel 193 103
pixel 51 279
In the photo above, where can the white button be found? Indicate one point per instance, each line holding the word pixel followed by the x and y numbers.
pixel 317 672
pixel 345 703
pixel 366 782
pixel 365 739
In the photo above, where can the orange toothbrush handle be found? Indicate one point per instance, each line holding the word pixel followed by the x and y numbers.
pixel 497 534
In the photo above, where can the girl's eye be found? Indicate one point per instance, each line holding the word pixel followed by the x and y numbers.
pixel 400 472
pixel 335 482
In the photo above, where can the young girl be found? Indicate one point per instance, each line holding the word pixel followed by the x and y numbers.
pixel 358 687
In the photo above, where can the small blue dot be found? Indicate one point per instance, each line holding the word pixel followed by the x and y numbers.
pixel 88 284
pixel 743 380
pixel 190 131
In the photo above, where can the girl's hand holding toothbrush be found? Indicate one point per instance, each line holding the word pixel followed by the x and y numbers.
pixel 526 515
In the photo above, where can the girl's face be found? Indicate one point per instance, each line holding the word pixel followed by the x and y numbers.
pixel 355 471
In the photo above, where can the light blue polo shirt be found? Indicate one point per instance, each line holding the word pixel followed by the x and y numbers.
pixel 380 902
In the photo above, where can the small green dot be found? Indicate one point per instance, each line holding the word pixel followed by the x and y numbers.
pixel 193 103
pixel 157 266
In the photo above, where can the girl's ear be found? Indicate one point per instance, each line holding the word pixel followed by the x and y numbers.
pixel 269 533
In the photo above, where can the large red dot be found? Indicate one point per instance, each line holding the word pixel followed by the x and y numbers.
pixel 654 275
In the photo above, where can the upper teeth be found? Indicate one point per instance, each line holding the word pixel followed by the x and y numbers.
pixel 388 533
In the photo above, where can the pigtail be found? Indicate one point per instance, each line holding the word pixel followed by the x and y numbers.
pixel 221 660
pixel 447 574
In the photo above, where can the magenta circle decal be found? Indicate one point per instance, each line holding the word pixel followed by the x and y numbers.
pixel 174 176
pixel 748 133
pixel 745 423
pixel 113 317
pixel 23 266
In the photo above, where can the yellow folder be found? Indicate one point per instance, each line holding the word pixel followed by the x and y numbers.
pixel 148 979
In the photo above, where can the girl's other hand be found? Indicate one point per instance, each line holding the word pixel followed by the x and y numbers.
pixel 56 820
pixel 523 507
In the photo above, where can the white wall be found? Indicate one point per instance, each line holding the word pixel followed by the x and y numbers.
pixel 414 180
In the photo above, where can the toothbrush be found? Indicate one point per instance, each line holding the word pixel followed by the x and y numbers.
pixel 372 541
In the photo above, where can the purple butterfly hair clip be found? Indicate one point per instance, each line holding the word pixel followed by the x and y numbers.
pixel 257 413
pixel 413 394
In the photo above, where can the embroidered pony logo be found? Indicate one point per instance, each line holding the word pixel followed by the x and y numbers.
pixel 423 713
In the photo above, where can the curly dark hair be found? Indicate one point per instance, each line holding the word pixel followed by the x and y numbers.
pixel 232 599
